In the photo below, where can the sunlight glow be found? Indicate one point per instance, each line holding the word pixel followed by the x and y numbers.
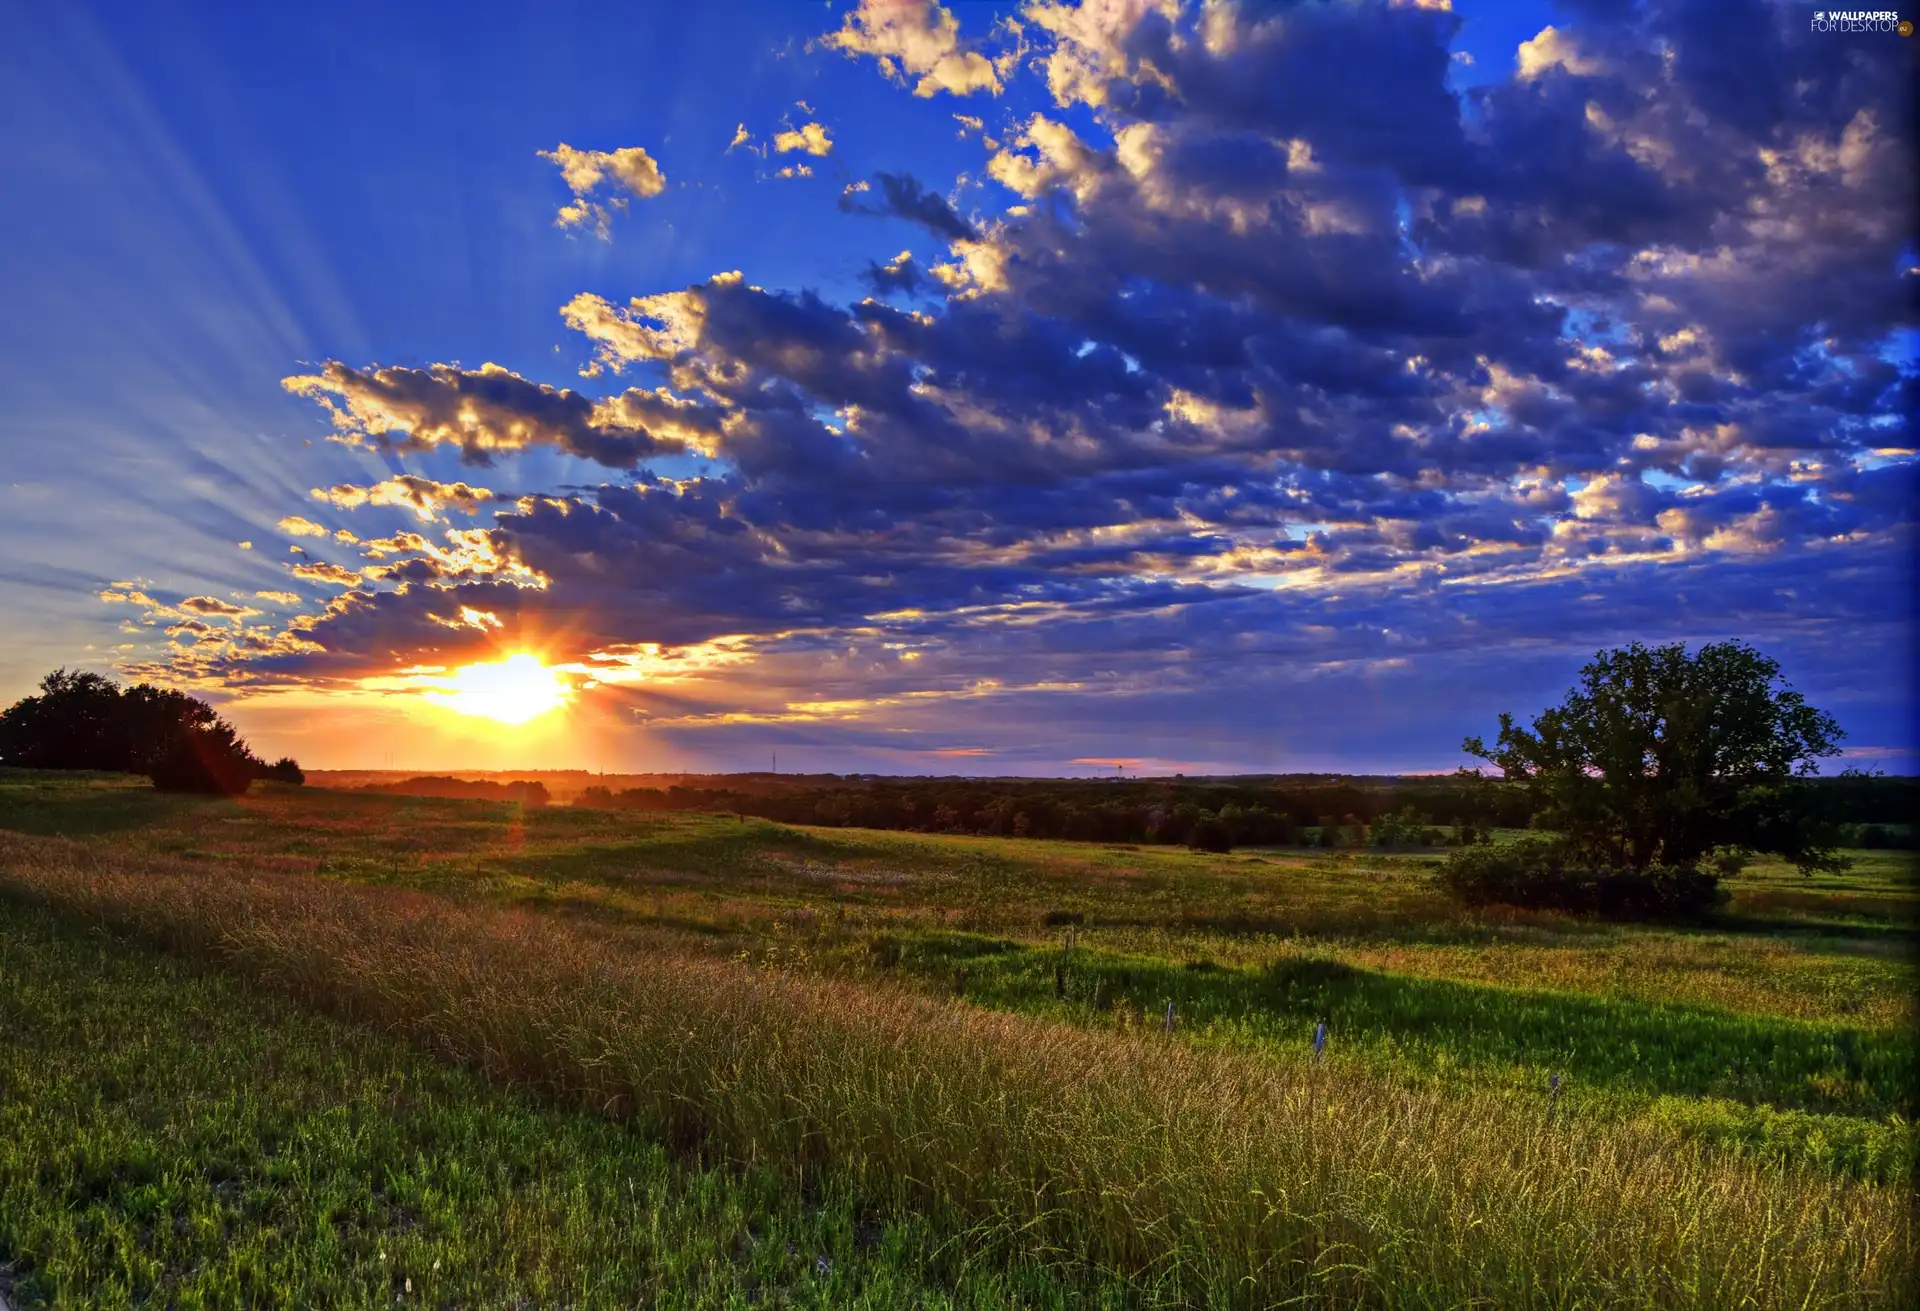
pixel 511 691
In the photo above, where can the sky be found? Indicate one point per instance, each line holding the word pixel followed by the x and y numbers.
pixel 1023 388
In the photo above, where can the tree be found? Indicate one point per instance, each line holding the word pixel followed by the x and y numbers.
pixel 1657 757
pixel 87 721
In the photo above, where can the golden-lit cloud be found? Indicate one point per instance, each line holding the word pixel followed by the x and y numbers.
pixel 320 571
pixel 294 526
pixel 1552 48
pixel 590 172
pixel 484 412
pixel 918 40
pixel 425 497
pixel 214 606
pixel 811 138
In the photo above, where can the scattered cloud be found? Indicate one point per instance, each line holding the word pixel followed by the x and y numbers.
pixel 484 413
pixel 901 196
pixel 425 497
pixel 319 571
pixel 809 137
pixel 591 173
pixel 916 41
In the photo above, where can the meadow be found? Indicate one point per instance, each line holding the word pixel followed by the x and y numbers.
pixel 959 1048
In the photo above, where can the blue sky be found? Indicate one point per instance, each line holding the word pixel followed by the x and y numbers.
pixel 1271 386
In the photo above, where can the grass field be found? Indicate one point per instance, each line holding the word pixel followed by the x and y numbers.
pixel 169 1137
pixel 1760 1065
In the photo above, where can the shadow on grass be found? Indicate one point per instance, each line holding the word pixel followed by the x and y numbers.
pixel 1433 1025
pixel 76 812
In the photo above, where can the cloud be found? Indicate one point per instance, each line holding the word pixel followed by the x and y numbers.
pixel 589 172
pixel 1236 385
pixel 917 40
pixel 319 571
pixel 902 196
pixel 810 137
pixel 425 497
pixel 294 526
pixel 740 138
pixel 215 607
pixel 899 274
pixel 1552 49
pixel 484 413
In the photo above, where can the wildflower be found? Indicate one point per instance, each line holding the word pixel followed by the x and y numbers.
pixel 822 1266
pixel 1319 1039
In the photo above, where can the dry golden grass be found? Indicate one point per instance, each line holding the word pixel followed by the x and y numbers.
pixel 1229 1178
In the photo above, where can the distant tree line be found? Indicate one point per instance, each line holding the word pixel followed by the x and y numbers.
pixel 526 793
pixel 87 721
pixel 1215 815
pixel 1867 810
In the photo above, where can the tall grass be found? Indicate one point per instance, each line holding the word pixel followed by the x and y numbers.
pixel 1222 1178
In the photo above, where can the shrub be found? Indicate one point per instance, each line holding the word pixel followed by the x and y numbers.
pixel 1542 874
pixel 1209 834
pixel 284 770
pixel 1728 861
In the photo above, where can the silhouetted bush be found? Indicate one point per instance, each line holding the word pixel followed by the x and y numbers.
pixel 285 770
pixel 1209 834
pixel 1542 874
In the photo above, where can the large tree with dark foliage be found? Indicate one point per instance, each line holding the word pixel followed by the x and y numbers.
pixel 86 721
pixel 1659 756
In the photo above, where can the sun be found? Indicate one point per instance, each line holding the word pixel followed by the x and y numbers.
pixel 511 691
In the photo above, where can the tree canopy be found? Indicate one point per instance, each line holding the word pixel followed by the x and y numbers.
pixel 1659 756
pixel 84 720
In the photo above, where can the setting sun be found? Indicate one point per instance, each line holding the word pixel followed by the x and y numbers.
pixel 511 691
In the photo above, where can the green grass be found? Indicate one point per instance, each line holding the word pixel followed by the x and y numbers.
pixel 1818 1093
pixel 1778 1036
pixel 1210 1176
pixel 170 1136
